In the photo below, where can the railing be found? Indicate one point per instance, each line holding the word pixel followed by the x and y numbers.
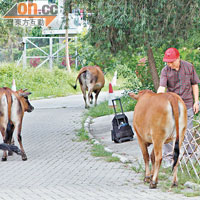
pixel 190 162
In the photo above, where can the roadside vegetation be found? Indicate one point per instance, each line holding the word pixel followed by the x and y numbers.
pixel 43 83
pixel 102 109
pixel 165 177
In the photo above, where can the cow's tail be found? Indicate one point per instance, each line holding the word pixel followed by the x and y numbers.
pixel 80 72
pixel 174 103
pixel 74 86
pixel 10 147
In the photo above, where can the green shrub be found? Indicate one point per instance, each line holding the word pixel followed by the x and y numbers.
pixel 41 82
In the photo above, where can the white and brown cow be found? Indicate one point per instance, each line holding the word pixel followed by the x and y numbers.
pixel 91 79
pixel 12 108
pixel 159 119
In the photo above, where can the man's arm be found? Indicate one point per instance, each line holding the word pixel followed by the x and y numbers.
pixel 195 89
pixel 161 89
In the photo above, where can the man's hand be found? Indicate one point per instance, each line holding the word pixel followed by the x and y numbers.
pixel 196 107
pixel 161 89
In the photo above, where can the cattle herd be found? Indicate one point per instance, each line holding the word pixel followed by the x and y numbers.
pixel 158 119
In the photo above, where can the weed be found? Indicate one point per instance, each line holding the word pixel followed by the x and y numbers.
pixel 192 194
pixel 99 151
pixel 138 169
pixel 83 136
pixel 112 159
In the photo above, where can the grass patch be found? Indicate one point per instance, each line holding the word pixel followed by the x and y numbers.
pixel 103 109
pixel 82 134
pixel 41 82
pixel 113 159
pixel 138 169
pixel 99 151
pixel 165 181
pixel 192 194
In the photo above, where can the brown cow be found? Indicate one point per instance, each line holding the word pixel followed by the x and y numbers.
pixel 159 119
pixel 91 79
pixel 12 108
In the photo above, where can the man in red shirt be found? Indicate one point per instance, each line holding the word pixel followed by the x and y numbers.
pixel 180 77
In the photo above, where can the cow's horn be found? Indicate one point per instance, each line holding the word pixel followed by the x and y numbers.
pixel 24 94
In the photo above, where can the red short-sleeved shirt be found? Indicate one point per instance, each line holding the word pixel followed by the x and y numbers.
pixel 180 81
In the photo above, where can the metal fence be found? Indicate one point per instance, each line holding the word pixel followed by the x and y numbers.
pixel 190 162
pixel 40 51
pixel 190 152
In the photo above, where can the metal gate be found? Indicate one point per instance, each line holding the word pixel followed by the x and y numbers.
pixel 49 54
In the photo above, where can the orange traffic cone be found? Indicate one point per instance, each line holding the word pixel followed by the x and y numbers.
pixel 110 96
pixel 14 86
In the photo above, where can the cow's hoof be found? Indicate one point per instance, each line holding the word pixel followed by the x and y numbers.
pixel 153 185
pixel 147 179
pixel 87 107
pixel 175 184
pixel 10 153
pixel 91 102
pixel 24 157
pixel 4 159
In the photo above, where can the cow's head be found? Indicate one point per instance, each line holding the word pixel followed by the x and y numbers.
pixel 24 100
pixel 140 93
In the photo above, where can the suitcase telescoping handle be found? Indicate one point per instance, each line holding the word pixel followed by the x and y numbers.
pixel 117 99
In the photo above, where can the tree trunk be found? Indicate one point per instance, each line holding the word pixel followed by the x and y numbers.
pixel 152 66
pixel 66 11
pixel 67 46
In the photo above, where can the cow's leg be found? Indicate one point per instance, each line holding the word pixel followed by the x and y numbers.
pixel 145 154
pixel 96 96
pixel 9 133
pixel 175 177
pixel 90 90
pixel 3 121
pixel 152 162
pixel 91 99
pixel 158 159
pixel 83 89
pixel 19 137
pixel 3 132
pixel 175 171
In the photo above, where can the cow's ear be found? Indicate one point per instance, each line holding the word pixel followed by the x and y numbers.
pixel 24 94
pixel 133 96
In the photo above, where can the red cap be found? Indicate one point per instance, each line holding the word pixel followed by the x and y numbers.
pixel 110 88
pixel 171 55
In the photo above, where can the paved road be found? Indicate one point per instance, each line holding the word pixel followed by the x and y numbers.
pixel 61 168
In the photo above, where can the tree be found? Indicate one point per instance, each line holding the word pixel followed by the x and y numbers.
pixel 67 10
pixel 147 23
pixel 9 35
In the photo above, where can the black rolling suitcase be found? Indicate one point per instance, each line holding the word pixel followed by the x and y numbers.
pixel 122 131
